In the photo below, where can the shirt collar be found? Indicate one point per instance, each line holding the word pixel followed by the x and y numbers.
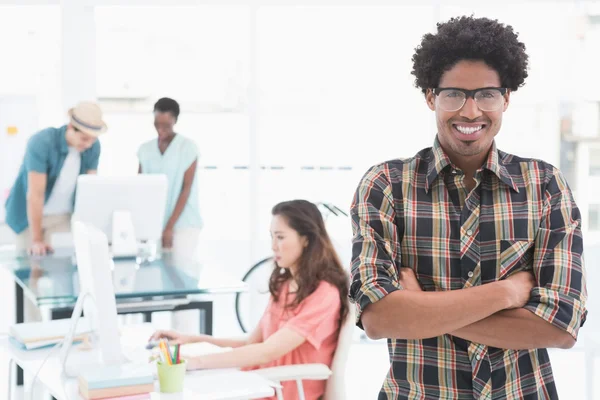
pixel 439 160
pixel 63 146
pixel 494 163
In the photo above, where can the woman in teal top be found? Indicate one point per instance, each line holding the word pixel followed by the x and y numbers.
pixel 175 156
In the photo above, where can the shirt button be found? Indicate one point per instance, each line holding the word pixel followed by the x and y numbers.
pixel 469 232
pixel 478 357
pixel 470 274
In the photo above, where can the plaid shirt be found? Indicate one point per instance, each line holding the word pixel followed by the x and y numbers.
pixel 520 216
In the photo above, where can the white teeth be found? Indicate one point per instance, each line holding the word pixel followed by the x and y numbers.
pixel 468 130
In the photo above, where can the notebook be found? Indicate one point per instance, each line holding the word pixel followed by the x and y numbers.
pixel 41 344
pixel 122 392
pixel 109 376
pixel 143 396
pixel 42 333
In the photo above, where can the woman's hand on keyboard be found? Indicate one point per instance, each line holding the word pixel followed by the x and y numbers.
pixel 173 337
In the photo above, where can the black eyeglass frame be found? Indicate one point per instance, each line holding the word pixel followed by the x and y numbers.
pixel 469 93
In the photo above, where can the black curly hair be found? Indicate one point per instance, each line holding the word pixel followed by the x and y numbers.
pixel 469 38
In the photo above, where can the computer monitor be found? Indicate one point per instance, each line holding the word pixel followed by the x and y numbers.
pixel 128 210
pixel 96 297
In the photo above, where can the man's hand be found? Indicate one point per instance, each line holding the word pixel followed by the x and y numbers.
pixel 40 248
pixel 167 238
pixel 521 284
pixel 409 280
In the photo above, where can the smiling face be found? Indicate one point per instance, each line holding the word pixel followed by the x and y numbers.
pixel 467 134
pixel 164 123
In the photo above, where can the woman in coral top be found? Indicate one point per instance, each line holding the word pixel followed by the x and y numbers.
pixel 308 302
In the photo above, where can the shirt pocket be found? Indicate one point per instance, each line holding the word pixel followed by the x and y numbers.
pixel 514 256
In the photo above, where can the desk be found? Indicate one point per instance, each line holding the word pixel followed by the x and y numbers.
pixel 209 385
pixel 52 283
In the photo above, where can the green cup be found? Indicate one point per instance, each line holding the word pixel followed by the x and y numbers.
pixel 171 377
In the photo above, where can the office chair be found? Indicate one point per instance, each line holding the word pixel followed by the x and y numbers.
pixel 335 388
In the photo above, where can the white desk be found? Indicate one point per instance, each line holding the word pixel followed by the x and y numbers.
pixel 209 385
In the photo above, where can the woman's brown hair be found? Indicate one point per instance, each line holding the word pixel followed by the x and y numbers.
pixel 318 262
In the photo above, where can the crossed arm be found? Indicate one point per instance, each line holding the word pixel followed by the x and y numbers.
pixel 516 329
pixel 480 314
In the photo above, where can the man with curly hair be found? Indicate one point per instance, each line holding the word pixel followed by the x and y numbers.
pixel 468 259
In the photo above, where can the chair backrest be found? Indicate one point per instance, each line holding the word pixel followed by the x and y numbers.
pixel 336 385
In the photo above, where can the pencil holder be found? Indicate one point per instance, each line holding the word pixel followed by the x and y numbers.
pixel 171 377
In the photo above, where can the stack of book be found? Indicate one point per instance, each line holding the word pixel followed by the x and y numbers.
pixel 37 335
pixel 117 382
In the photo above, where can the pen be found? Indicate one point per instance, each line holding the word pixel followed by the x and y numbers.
pixel 161 356
pixel 177 356
pixel 165 352
pixel 169 353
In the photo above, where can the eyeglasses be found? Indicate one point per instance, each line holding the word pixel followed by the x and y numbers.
pixel 487 99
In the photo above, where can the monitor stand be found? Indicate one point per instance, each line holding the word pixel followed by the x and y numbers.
pixel 97 299
pixel 107 353
pixel 124 243
pixel 81 363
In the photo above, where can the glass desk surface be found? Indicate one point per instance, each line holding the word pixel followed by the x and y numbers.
pixel 54 280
